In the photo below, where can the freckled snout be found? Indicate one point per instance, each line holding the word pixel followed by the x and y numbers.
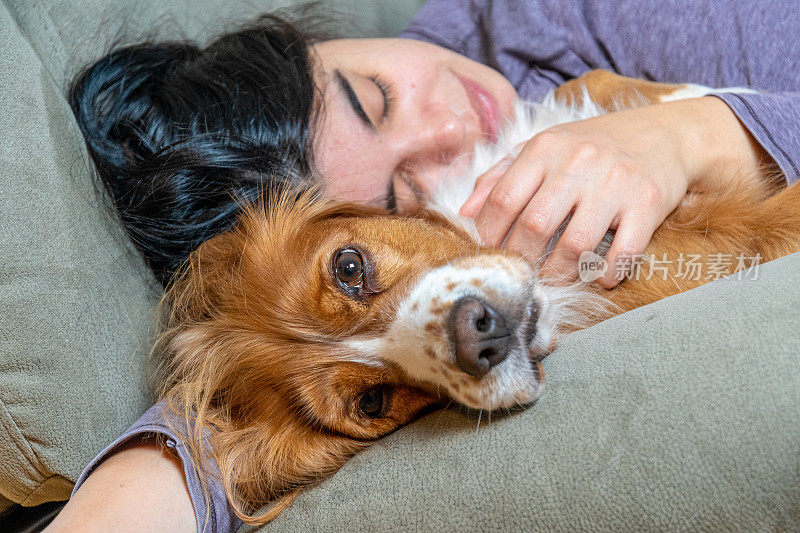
pixel 480 336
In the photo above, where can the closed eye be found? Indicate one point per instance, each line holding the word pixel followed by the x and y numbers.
pixel 391 199
pixel 352 98
pixel 388 95
pixel 355 103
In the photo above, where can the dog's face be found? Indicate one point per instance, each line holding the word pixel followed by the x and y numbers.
pixel 315 329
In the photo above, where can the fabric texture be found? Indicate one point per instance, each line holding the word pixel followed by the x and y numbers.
pixel 5 504
pixel 75 300
pixel 540 44
pixel 681 415
pixel 68 34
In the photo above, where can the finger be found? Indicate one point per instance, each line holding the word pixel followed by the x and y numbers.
pixel 486 181
pixel 630 242
pixel 507 200
pixel 483 186
pixel 540 219
pixel 584 232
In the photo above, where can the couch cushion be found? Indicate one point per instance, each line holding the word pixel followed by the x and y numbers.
pixel 67 36
pixel 75 300
pixel 681 415
pixel 5 505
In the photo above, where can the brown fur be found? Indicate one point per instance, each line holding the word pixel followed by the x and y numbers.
pixel 251 342
pixel 609 90
pixel 743 221
pixel 251 339
pixel 757 218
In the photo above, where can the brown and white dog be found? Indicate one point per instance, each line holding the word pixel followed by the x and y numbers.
pixel 312 328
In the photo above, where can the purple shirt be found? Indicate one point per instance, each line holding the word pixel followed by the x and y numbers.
pixel 221 517
pixel 539 44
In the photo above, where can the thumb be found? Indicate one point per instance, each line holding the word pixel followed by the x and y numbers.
pixel 486 182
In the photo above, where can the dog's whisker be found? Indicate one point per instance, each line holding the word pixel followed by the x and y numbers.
pixel 444 409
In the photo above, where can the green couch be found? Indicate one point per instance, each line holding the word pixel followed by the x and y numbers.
pixel 684 414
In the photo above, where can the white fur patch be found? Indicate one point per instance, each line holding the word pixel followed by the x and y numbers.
pixel 418 340
pixel 691 90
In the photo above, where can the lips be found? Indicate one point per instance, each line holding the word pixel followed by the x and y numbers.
pixel 485 106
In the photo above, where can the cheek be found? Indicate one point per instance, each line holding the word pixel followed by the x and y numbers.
pixel 361 177
pixel 335 314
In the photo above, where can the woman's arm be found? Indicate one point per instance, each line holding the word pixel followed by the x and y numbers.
pixel 140 488
pixel 148 480
pixel 540 44
pixel 626 171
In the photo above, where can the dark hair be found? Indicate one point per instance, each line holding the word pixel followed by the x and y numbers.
pixel 181 135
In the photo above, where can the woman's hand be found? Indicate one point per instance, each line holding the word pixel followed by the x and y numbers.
pixel 625 171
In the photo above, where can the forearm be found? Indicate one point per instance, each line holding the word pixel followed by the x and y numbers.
pixel 140 488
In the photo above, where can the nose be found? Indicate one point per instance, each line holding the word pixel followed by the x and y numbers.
pixel 431 148
pixel 479 335
pixel 438 134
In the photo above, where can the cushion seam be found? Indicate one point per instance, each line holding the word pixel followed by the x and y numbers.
pixel 32 493
pixel 27 451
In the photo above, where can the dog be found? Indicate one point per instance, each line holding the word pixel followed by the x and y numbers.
pixel 314 328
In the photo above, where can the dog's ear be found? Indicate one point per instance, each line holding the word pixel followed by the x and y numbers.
pixel 211 275
pixel 271 461
pixel 198 287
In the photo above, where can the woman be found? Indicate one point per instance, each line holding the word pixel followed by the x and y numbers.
pixel 176 130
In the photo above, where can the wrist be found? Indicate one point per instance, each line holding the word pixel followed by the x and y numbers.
pixel 719 150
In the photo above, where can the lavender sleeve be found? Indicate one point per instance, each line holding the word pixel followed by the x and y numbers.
pixel 218 516
pixel 539 44
pixel 773 119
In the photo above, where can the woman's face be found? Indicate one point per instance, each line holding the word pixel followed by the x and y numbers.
pixel 397 115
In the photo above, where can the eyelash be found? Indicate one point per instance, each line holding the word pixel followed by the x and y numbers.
pixel 388 94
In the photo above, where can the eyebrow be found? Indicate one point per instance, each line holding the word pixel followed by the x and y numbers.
pixel 345 86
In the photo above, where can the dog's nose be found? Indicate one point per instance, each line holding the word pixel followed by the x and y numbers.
pixel 479 335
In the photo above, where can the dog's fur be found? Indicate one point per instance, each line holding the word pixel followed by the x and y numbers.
pixel 275 355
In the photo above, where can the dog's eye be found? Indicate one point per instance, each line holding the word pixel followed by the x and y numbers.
pixel 371 402
pixel 349 268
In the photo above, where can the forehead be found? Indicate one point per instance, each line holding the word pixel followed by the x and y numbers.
pixel 368 52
